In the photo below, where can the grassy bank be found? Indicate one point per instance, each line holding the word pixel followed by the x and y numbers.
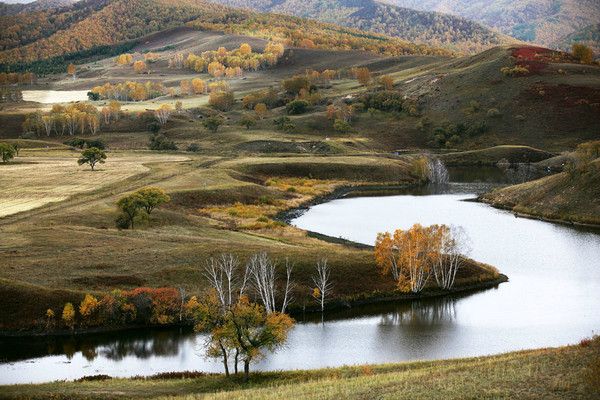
pixel 560 373
pixel 57 251
pixel 566 197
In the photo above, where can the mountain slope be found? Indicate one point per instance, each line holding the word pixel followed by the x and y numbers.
pixel 110 22
pixel 34 6
pixel 416 26
pixel 546 22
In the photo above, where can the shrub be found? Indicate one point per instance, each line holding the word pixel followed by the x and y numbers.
pixel 221 100
pixel 296 107
pixel 517 70
pixel 341 126
pixel 97 143
pixel 583 53
pixel 93 96
pixel 193 147
pixel 161 143
pixel 383 100
pixel 295 84
pixel 7 152
pixel 76 142
pixel 283 124
pixel 248 121
pixel 213 122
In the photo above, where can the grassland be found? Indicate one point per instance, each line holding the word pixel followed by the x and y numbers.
pixel 560 373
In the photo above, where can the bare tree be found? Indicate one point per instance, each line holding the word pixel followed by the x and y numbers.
pixel 182 303
pixel 262 271
pixel 453 248
pixel 221 275
pixel 322 282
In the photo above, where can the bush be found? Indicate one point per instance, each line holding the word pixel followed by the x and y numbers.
pixel 450 135
pixel 213 122
pixel 296 107
pixel 97 143
pixel 386 100
pixel 193 147
pixel 161 143
pixel 221 100
pixel 341 126
pixel 583 53
pixel 76 142
pixel 517 70
pixel 295 84
pixel 93 96
pixel 122 221
pixel 153 126
pixel 283 124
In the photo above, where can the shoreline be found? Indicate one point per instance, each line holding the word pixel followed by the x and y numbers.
pixel 342 303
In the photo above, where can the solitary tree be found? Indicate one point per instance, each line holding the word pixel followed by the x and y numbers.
pixel 7 152
pixel 322 281
pixel 92 156
pixel 68 315
pixel 248 121
pixel 213 122
pixel 71 70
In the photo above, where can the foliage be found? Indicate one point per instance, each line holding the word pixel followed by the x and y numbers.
pixel 248 121
pixel 221 100
pixel 450 135
pixel 7 152
pixel 412 256
pixel 517 70
pixel 267 98
pixel 341 126
pixel 130 205
pixel 68 315
pixel 130 91
pixel 213 122
pixel 296 107
pixel 92 156
pixel 583 53
pixel 161 143
pixel 295 84
pixel 283 123
pixel 152 197
pixel 386 100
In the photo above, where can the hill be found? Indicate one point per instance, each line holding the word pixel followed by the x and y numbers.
pixel 589 35
pixel 546 22
pixel 8 8
pixel 431 28
pixel 572 196
pixel 91 24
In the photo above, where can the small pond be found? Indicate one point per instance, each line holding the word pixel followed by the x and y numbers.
pixel 55 96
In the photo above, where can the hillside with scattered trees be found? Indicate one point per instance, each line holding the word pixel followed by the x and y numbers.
pixel 431 28
pixel 546 22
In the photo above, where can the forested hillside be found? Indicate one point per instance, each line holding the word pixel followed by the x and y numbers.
pixel 38 5
pixel 109 22
pixel 547 22
pixel 430 28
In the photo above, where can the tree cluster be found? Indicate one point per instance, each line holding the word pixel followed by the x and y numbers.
pixel 130 91
pixel 412 256
pixel 75 118
pixel 138 204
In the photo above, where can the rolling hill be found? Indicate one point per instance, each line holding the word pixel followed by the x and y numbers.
pixel 546 22
pixel 430 28
pixel 90 24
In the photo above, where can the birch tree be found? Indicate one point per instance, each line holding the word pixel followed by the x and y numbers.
pixel 322 281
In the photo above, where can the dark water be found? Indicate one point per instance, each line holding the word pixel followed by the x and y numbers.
pixel 553 298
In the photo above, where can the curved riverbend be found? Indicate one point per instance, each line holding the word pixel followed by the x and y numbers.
pixel 552 299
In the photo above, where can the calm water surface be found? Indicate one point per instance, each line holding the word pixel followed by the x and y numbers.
pixel 553 298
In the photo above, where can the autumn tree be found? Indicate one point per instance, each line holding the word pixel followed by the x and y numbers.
pixel 221 100
pixel 68 315
pixel 254 330
pixel 199 86
pixel 152 197
pixel 583 53
pixel 386 82
pixel 261 110
pixel 92 156
pixel 163 113
pixel 362 75
pixel 88 307
pixel 72 70
pixel 140 67
pixel 245 49
pixel 7 152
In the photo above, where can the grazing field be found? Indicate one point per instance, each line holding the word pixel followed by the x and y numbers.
pixel 38 180
pixel 561 373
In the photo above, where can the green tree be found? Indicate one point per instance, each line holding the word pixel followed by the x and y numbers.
pixel 296 107
pixel 583 53
pixel 152 197
pixel 213 122
pixel 92 156
pixel 7 152
pixel 248 121
pixel 130 205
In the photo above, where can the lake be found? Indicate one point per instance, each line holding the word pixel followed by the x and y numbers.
pixel 552 299
pixel 55 96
